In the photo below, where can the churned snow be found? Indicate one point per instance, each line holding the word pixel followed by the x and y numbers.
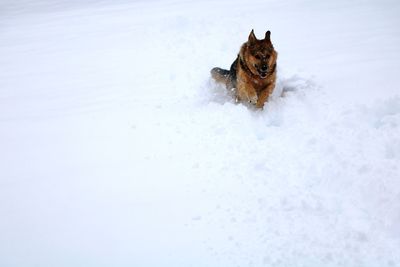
pixel 118 150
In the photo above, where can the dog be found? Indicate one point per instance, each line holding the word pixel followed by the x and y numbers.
pixel 252 75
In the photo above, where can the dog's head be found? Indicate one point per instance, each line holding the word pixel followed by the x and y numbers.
pixel 260 55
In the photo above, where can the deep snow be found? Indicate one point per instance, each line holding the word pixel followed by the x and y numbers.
pixel 118 150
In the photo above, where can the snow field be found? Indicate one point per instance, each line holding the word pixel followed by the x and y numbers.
pixel 117 149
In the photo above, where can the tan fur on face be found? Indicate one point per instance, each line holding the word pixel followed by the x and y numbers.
pixel 252 83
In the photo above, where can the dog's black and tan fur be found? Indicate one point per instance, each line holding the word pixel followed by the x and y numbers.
pixel 253 74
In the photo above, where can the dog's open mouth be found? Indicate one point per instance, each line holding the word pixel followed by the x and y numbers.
pixel 263 74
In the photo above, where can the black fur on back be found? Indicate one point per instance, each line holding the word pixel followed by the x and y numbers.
pixel 227 76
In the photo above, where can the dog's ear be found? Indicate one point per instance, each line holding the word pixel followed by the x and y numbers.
pixel 268 36
pixel 252 37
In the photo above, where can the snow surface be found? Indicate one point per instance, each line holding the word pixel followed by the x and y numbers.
pixel 118 150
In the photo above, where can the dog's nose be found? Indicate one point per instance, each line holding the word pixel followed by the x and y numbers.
pixel 264 67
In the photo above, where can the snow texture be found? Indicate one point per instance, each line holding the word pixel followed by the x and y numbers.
pixel 118 150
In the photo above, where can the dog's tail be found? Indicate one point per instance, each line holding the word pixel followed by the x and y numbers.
pixel 220 75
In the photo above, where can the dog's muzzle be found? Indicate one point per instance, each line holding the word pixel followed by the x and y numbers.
pixel 263 71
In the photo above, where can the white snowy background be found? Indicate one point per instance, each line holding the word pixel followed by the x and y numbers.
pixel 116 148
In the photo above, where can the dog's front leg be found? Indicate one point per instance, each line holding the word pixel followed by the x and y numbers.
pixel 264 95
pixel 247 93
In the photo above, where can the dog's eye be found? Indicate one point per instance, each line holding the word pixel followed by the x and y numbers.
pixel 257 57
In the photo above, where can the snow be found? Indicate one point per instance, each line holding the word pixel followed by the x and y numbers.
pixel 118 150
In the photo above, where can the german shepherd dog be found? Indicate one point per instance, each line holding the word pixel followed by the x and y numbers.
pixel 252 75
